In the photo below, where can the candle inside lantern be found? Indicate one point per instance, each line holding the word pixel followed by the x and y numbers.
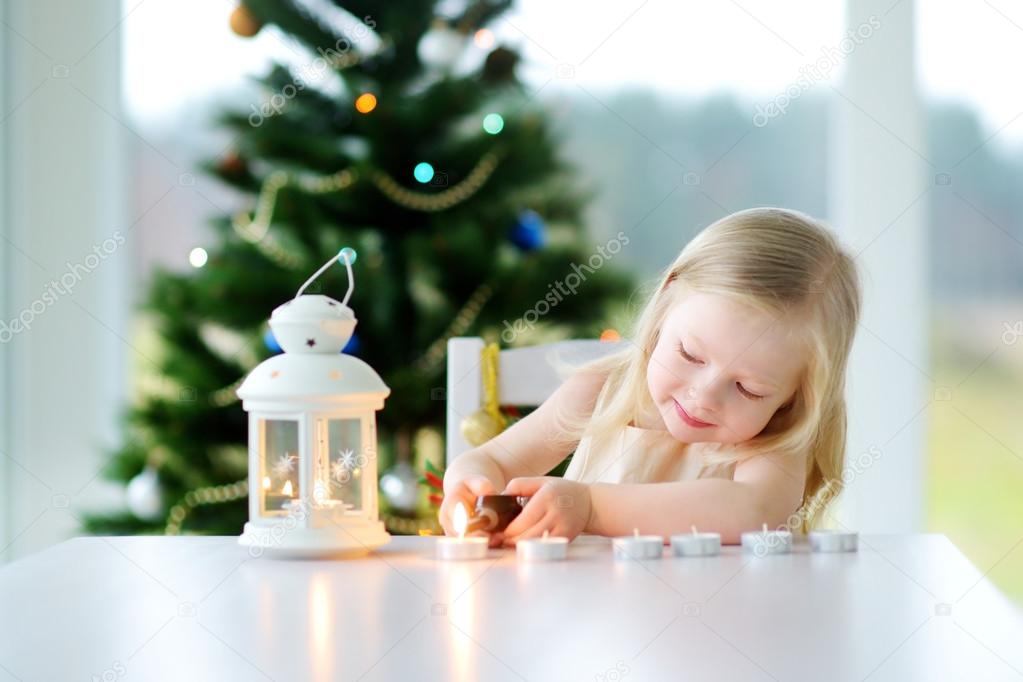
pixel 283 499
pixel 638 546
pixel 461 547
pixel 833 541
pixel 696 543
pixel 545 548
pixel 764 541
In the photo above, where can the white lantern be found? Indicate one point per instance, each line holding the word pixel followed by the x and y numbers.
pixel 312 435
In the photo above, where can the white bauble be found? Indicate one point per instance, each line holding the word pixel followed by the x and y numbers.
pixel 144 497
pixel 400 486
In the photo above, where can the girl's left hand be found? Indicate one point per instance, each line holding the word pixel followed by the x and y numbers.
pixel 556 505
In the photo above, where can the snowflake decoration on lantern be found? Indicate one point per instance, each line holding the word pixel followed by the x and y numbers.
pixel 342 466
pixel 285 464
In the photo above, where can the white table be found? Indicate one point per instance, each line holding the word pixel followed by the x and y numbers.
pixel 200 608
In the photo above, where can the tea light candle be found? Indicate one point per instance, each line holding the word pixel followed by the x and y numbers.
pixel 638 546
pixel 542 549
pixel 461 547
pixel 696 544
pixel 764 541
pixel 833 541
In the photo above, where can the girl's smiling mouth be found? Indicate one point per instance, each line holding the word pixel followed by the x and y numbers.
pixel 688 419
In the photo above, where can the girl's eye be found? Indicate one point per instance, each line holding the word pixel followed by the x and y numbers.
pixel 751 396
pixel 684 354
pixel 690 358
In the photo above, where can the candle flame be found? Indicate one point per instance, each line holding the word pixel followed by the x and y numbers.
pixel 694 529
pixel 460 519
pixel 545 534
pixel 765 527
pixel 286 490
pixel 635 531
pixel 266 483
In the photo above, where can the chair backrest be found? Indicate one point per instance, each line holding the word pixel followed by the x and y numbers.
pixel 526 377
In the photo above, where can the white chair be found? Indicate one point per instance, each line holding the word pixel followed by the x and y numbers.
pixel 525 377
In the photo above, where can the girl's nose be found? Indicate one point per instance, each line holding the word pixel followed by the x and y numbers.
pixel 707 396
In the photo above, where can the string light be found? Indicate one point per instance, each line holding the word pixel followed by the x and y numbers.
pixel 423 172
pixel 365 103
pixel 350 253
pixel 198 257
pixel 493 123
pixel 484 38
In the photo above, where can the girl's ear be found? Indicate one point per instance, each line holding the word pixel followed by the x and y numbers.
pixel 667 283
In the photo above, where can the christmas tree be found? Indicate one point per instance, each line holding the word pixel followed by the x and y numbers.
pixel 445 183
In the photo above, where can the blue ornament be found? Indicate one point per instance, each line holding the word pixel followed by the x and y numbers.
pixel 271 342
pixel 352 346
pixel 529 232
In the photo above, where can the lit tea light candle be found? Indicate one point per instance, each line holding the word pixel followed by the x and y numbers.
pixel 833 541
pixel 545 548
pixel 696 544
pixel 638 546
pixel 764 541
pixel 460 547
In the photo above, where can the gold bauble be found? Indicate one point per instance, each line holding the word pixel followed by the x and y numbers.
pixel 243 23
pixel 479 427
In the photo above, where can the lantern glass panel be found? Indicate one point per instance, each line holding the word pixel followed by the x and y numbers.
pixel 278 443
pixel 342 462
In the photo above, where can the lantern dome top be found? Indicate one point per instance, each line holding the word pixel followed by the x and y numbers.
pixel 336 380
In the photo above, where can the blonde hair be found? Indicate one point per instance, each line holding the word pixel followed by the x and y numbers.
pixel 789 266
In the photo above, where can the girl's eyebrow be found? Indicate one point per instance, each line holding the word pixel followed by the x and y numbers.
pixel 760 381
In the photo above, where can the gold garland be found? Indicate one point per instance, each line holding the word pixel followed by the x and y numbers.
pixel 422 201
pixel 214 494
pixel 256 228
pixel 223 397
pixel 463 320
pixel 488 421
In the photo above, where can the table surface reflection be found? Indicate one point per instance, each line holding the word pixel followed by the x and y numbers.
pixel 903 607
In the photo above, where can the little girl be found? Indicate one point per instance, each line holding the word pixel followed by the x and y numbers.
pixel 725 410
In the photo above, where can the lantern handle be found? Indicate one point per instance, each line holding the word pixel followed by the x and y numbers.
pixel 342 256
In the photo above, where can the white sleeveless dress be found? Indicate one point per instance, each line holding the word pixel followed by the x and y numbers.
pixel 642 456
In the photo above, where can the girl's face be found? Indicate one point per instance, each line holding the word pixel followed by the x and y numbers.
pixel 722 364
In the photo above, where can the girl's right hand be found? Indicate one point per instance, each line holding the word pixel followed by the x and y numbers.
pixel 465 491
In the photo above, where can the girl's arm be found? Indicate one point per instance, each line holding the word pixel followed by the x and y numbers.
pixel 528 447
pixel 766 489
